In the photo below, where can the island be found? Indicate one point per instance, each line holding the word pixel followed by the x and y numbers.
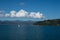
pixel 52 22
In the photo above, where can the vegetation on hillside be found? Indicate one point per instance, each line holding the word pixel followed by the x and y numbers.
pixel 48 22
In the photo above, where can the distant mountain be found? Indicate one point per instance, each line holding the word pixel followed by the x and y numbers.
pixel 55 22
pixel 16 22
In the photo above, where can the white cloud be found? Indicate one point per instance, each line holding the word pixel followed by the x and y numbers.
pixel 13 13
pixel 32 14
pixel 36 15
pixel 7 15
pixel 24 14
pixel 21 13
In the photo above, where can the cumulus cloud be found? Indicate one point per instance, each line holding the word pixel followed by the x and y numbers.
pixel 36 15
pixel 13 13
pixel 24 14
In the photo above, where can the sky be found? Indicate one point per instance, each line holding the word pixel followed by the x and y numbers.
pixel 29 9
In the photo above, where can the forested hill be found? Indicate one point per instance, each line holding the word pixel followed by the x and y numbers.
pixel 49 22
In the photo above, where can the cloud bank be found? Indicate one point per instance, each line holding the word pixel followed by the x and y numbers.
pixel 22 14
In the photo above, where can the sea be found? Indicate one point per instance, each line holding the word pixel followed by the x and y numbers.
pixel 29 32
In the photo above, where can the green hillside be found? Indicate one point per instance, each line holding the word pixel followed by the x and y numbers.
pixel 49 22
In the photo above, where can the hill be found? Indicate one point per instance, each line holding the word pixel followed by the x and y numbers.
pixel 55 22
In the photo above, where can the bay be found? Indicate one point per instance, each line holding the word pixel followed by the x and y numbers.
pixel 29 32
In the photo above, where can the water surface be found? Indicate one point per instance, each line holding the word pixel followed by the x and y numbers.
pixel 29 32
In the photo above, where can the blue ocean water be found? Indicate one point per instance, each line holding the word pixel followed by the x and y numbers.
pixel 29 32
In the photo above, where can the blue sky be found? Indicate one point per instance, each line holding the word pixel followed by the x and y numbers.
pixel 49 8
